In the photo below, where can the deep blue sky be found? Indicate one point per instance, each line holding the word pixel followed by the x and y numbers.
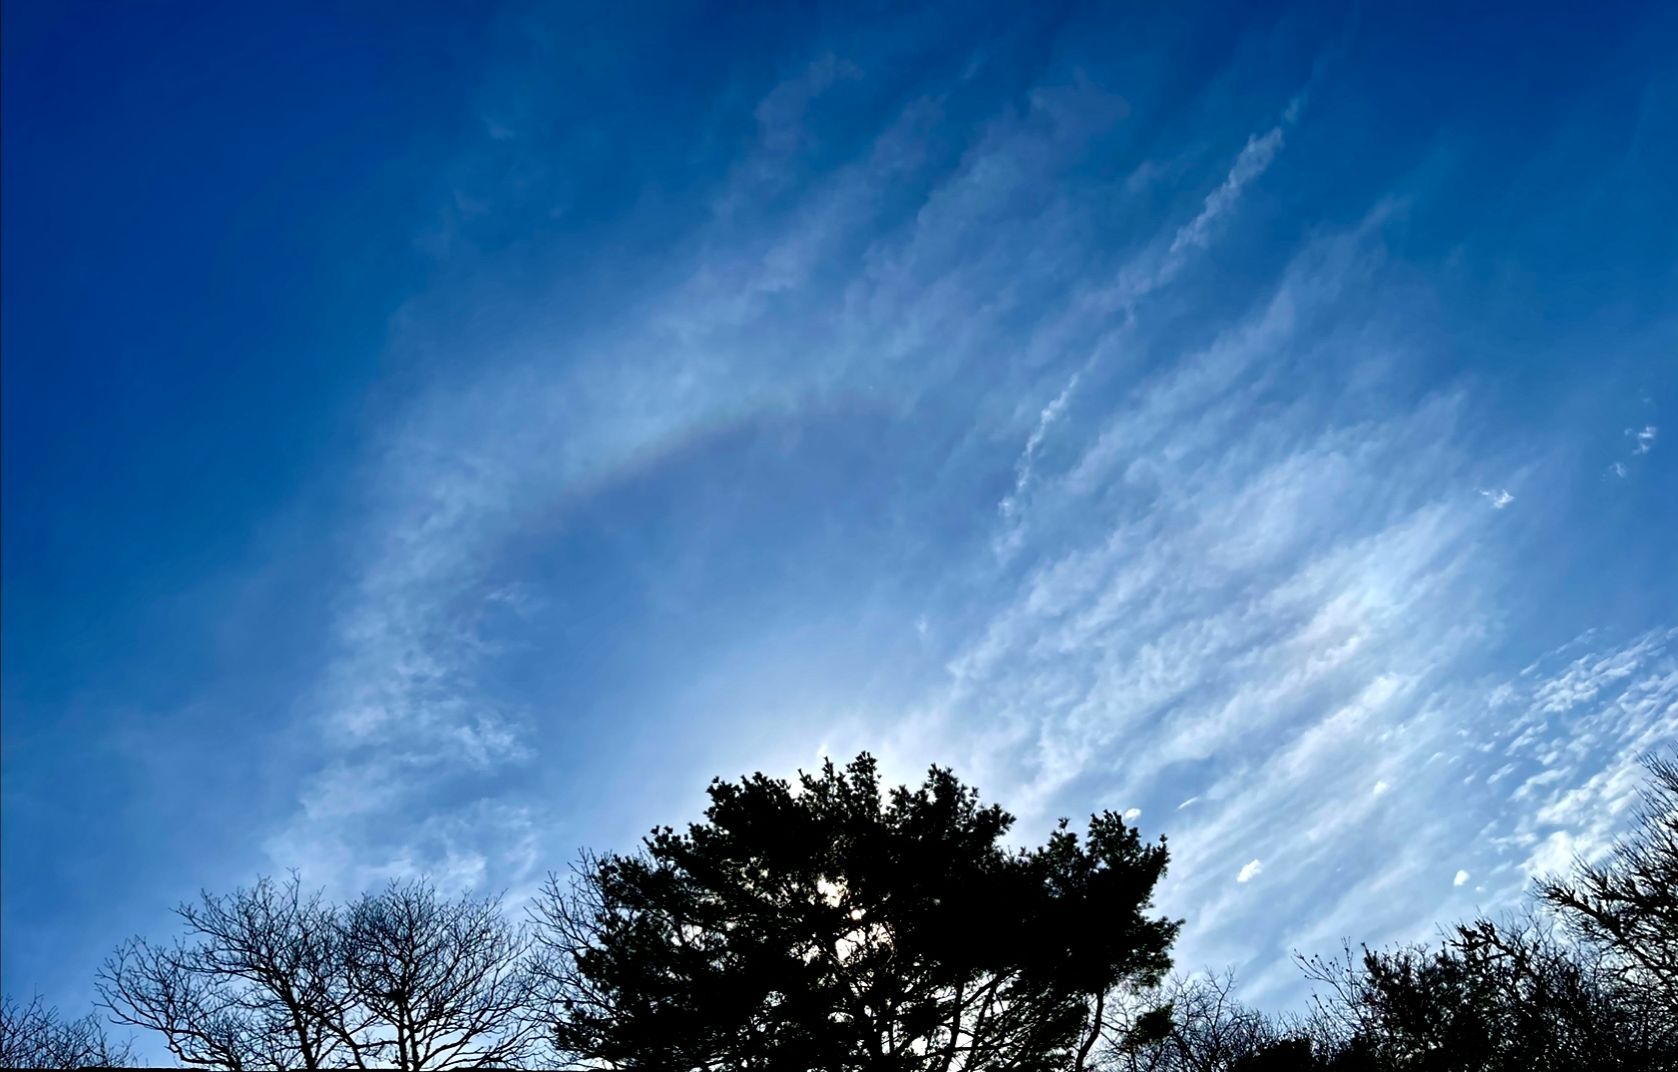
pixel 438 439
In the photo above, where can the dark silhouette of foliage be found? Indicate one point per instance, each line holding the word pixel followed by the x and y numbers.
pixel 1509 996
pixel 1291 1054
pixel 1491 997
pixel 1627 906
pixel 829 926
pixel 269 977
pixel 438 984
pixel 33 1036
pixel 1200 1027
pixel 257 983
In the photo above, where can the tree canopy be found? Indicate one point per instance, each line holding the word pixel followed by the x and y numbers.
pixel 825 924
pixel 33 1035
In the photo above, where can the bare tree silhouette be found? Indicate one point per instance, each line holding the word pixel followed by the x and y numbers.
pixel 34 1036
pixel 272 977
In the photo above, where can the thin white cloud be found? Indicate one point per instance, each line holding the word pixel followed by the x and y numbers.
pixel 1460 878
pixel 1642 439
pixel 1249 871
pixel 1255 157
pixel 1050 413
pixel 1497 497
pixel 1160 265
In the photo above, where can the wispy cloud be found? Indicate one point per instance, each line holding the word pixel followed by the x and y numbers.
pixel 1050 406
pixel 1022 469
pixel 407 725
pixel 1166 259
pixel 1254 159
pixel 1247 581
pixel 1273 613
pixel 405 717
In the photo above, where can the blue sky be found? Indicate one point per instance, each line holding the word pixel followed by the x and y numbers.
pixel 435 440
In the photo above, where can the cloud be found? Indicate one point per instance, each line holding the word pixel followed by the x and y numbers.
pixel 1182 525
pixel 1161 264
pixel 1461 877
pixel 1187 626
pixel 1255 157
pixel 1242 584
pixel 1022 469
pixel 1581 724
pixel 408 720
pixel 781 114
pixel 1553 855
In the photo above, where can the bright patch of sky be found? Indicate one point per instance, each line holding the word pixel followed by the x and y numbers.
pixel 435 444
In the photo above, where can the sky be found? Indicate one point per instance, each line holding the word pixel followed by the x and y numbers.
pixel 437 439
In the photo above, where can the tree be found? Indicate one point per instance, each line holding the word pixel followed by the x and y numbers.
pixel 828 926
pixel 1491 997
pixel 269 977
pixel 33 1036
pixel 1208 1030
pixel 438 984
pixel 258 983
pixel 1513 995
pixel 1628 905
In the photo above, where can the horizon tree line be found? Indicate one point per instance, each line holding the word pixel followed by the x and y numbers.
pixel 829 924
